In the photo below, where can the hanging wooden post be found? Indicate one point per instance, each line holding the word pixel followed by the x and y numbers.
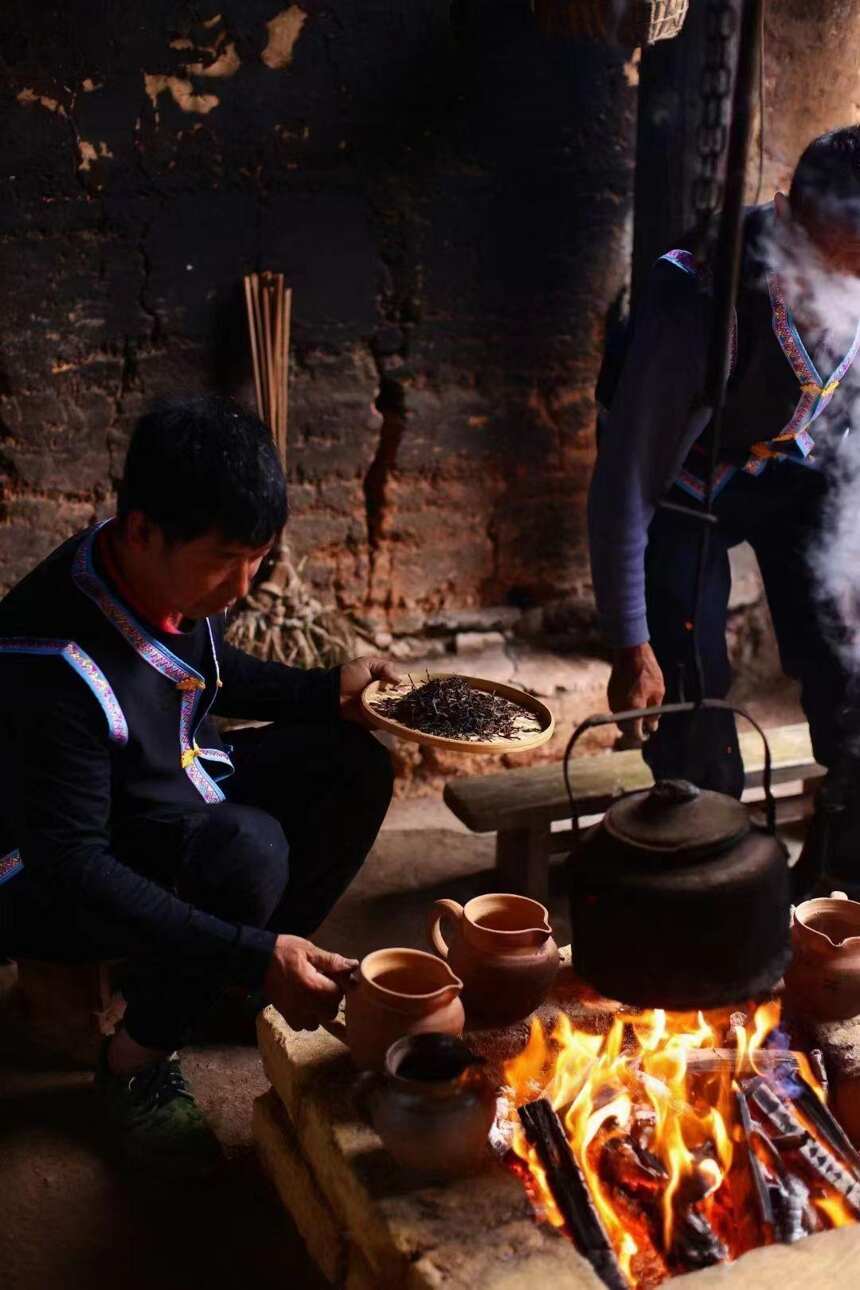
pixel 286 312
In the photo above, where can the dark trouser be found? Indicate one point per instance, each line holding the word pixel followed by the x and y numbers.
pixel 303 810
pixel 779 514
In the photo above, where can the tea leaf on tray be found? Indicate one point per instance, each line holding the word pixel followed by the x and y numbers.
pixel 450 708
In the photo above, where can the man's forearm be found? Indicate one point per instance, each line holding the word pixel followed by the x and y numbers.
pixel 654 419
pixel 267 691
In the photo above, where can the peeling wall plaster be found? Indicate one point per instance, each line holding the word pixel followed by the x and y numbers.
pixel 227 64
pixel 92 152
pixel 182 92
pixel 284 30
pixel 28 96
pixel 435 196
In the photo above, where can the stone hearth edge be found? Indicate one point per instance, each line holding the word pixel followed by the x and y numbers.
pixel 371 1226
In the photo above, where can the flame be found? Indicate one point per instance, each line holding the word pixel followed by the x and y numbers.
pixel 811 1078
pixel 647 1089
pixel 766 1020
pixel 835 1210
pixel 741 1039
pixel 536 1175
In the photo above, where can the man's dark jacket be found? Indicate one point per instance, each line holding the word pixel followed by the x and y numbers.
pixel 105 720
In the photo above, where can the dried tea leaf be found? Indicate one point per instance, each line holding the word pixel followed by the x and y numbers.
pixel 450 708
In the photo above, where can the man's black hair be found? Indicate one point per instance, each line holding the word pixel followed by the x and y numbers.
pixel 204 463
pixel 825 187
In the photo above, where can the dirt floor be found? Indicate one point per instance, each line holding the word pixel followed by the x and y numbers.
pixel 72 1222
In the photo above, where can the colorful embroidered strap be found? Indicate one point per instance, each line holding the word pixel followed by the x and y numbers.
pixel 795 439
pixel 151 650
pixel 187 679
pixel 10 864
pixel 87 670
pixel 794 442
pixel 693 485
pixel 684 260
pixel 188 757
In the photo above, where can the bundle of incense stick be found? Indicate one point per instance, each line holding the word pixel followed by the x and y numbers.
pixel 280 618
pixel 267 303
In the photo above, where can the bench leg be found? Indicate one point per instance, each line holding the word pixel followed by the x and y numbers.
pixel 522 862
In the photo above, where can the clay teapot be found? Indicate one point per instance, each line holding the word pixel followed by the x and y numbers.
pixel 432 1106
pixel 393 993
pixel 823 981
pixel 502 947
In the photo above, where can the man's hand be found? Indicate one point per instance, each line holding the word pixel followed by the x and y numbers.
pixel 305 983
pixel 636 682
pixel 356 675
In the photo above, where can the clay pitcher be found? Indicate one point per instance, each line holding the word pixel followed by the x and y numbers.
pixel 433 1106
pixel 394 993
pixel 823 980
pixel 503 950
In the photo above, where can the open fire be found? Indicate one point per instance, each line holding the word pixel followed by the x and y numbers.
pixel 677 1140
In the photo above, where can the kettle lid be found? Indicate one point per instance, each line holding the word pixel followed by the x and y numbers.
pixel 677 817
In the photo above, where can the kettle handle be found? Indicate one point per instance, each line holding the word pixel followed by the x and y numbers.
pixel 664 710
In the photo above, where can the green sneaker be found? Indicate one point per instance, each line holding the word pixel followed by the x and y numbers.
pixel 158 1124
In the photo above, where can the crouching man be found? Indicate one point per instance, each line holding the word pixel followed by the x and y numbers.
pixel 128 828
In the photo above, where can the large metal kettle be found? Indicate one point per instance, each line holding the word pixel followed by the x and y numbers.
pixel 677 899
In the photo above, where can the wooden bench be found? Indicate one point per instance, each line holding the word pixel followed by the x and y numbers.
pixel 519 806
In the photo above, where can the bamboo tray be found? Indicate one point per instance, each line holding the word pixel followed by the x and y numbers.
pixel 538 721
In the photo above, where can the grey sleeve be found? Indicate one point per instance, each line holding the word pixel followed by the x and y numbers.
pixel 655 418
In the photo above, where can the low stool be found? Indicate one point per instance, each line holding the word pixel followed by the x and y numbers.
pixel 68 1008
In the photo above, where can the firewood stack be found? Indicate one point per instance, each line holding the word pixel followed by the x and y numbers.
pixel 280 619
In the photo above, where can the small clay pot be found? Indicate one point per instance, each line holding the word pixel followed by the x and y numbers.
pixel 823 979
pixel 397 992
pixel 432 1107
pixel 503 950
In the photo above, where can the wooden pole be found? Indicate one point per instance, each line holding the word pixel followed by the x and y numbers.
pixel 252 334
pixel 285 341
pixel 277 329
pixel 268 304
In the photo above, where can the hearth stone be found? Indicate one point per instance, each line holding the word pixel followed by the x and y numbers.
pixel 369 1224
pixel 839 1041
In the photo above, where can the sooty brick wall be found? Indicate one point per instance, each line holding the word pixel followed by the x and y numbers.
pixel 448 193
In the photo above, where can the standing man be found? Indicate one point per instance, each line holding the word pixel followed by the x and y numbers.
pixel 128 829
pixel 788 406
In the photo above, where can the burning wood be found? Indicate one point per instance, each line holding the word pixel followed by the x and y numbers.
pixel 819 1070
pixel 714 1059
pixel 783 1198
pixel 796 1137
pixel 825 1123
pixel 634 1169
pixel 570 1190
pixel 759 1176
pixel 696 1244
pixel 643 1124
